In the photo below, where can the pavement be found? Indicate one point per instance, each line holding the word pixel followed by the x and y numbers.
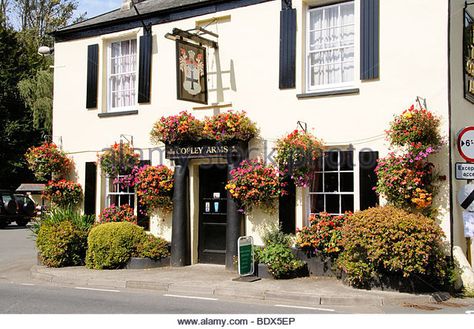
pixel 215 281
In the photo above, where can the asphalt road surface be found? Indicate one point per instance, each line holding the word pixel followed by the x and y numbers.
pixel 20 294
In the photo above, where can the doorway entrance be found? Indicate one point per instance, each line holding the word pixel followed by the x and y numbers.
pixel 212 214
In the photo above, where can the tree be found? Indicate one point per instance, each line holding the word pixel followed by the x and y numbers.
pixel 16 131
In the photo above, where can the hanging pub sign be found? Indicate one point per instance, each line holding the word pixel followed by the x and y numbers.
pixel 191 72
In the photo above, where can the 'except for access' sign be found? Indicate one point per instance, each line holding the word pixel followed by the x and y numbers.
pixel 464 171
pixel 466 144
pixel 245 255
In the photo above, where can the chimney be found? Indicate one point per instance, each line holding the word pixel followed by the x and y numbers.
pixel 126 4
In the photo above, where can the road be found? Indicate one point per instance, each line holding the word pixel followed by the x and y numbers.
pixel 20 294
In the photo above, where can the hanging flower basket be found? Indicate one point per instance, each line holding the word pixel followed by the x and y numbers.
pixel 223 128
pixel 47 160
pixel 118 160
pixel 297 154
pixel 254 184
pixel 63 193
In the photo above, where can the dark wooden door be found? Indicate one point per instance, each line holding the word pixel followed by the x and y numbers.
pixel 212 214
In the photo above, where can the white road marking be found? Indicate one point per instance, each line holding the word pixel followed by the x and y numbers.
pixel 307 308
pixel 190 297
pixel 96 289
pixel 27 284
pixel 469 312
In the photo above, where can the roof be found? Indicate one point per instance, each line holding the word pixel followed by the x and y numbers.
pixel 144 8
pixel 38 188
pixel 151 12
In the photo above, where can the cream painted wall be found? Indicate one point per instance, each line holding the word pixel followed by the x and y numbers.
pixel 462 110
pixel 413 59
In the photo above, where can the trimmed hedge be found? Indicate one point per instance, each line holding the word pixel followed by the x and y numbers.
pixel 387 241
pixel 61 244
pixel 110 245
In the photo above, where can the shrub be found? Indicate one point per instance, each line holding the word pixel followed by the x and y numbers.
pixel 281 261
pixel 229 126
pixel 124 213
pixel 323 235
pixel 47 160
pixel 276 236
pixel 177 128
pixel 390 241
pixel 63 193
pixel 255 184
pixel 297 153
pixel 61 244
pixel 119 159
pixel 111 245
pixel 153 248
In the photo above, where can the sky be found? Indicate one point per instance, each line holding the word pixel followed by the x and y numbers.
pixel 97 7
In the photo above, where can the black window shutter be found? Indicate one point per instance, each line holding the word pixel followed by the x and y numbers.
pixel 144 68
pixel 287 48
pixel 286 207
pixel 369 39
pixel 92 75
pixel 90 188
pixel 368 179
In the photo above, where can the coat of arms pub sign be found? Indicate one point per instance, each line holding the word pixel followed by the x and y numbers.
pixel 191 72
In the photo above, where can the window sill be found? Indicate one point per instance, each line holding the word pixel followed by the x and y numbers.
pixel 117 114
pixel 351 91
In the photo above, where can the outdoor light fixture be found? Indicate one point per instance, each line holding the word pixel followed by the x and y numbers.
pixel 45 51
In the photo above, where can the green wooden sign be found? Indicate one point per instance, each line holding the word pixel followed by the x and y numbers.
pixel 245 256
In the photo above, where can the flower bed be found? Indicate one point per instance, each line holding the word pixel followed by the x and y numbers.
pixel 297 154
pixel 118 160
pixel 47 160
pixel 63 193
pixel 124 213
pixel 254 184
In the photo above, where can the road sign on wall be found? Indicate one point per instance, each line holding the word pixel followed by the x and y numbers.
pixel 466 197
pixel 464 171
pixel 466 144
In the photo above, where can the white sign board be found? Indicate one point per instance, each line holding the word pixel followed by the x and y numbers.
pixel 466 144
pixel 468 218
pixel 464 171
pixel 466 197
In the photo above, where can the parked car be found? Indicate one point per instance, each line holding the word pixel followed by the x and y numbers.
pixel 17 208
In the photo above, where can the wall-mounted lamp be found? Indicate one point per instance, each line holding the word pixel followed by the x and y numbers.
pixel 45 51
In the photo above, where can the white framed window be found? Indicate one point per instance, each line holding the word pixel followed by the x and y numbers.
pixel 330 41
pixel 122 75
pixel 331 188
pixel 118 195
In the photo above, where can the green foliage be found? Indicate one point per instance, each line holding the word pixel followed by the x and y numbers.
pixel 153 248
pixel 111 245
pixel 37 92
pixel 61 244
pixel 281 261
pixel 274 235
pixel 391 241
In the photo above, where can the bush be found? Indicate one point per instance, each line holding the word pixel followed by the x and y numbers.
pixel 111 245
pixel 153 248
pixel 323 236
pixel 61 244
pixel 59 215
pixel 281 261
pixel 387 241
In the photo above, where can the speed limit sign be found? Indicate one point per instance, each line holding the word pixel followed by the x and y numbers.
pixel 466 144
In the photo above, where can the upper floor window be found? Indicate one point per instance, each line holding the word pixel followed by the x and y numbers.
pixel 122 75
pixel 330 46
